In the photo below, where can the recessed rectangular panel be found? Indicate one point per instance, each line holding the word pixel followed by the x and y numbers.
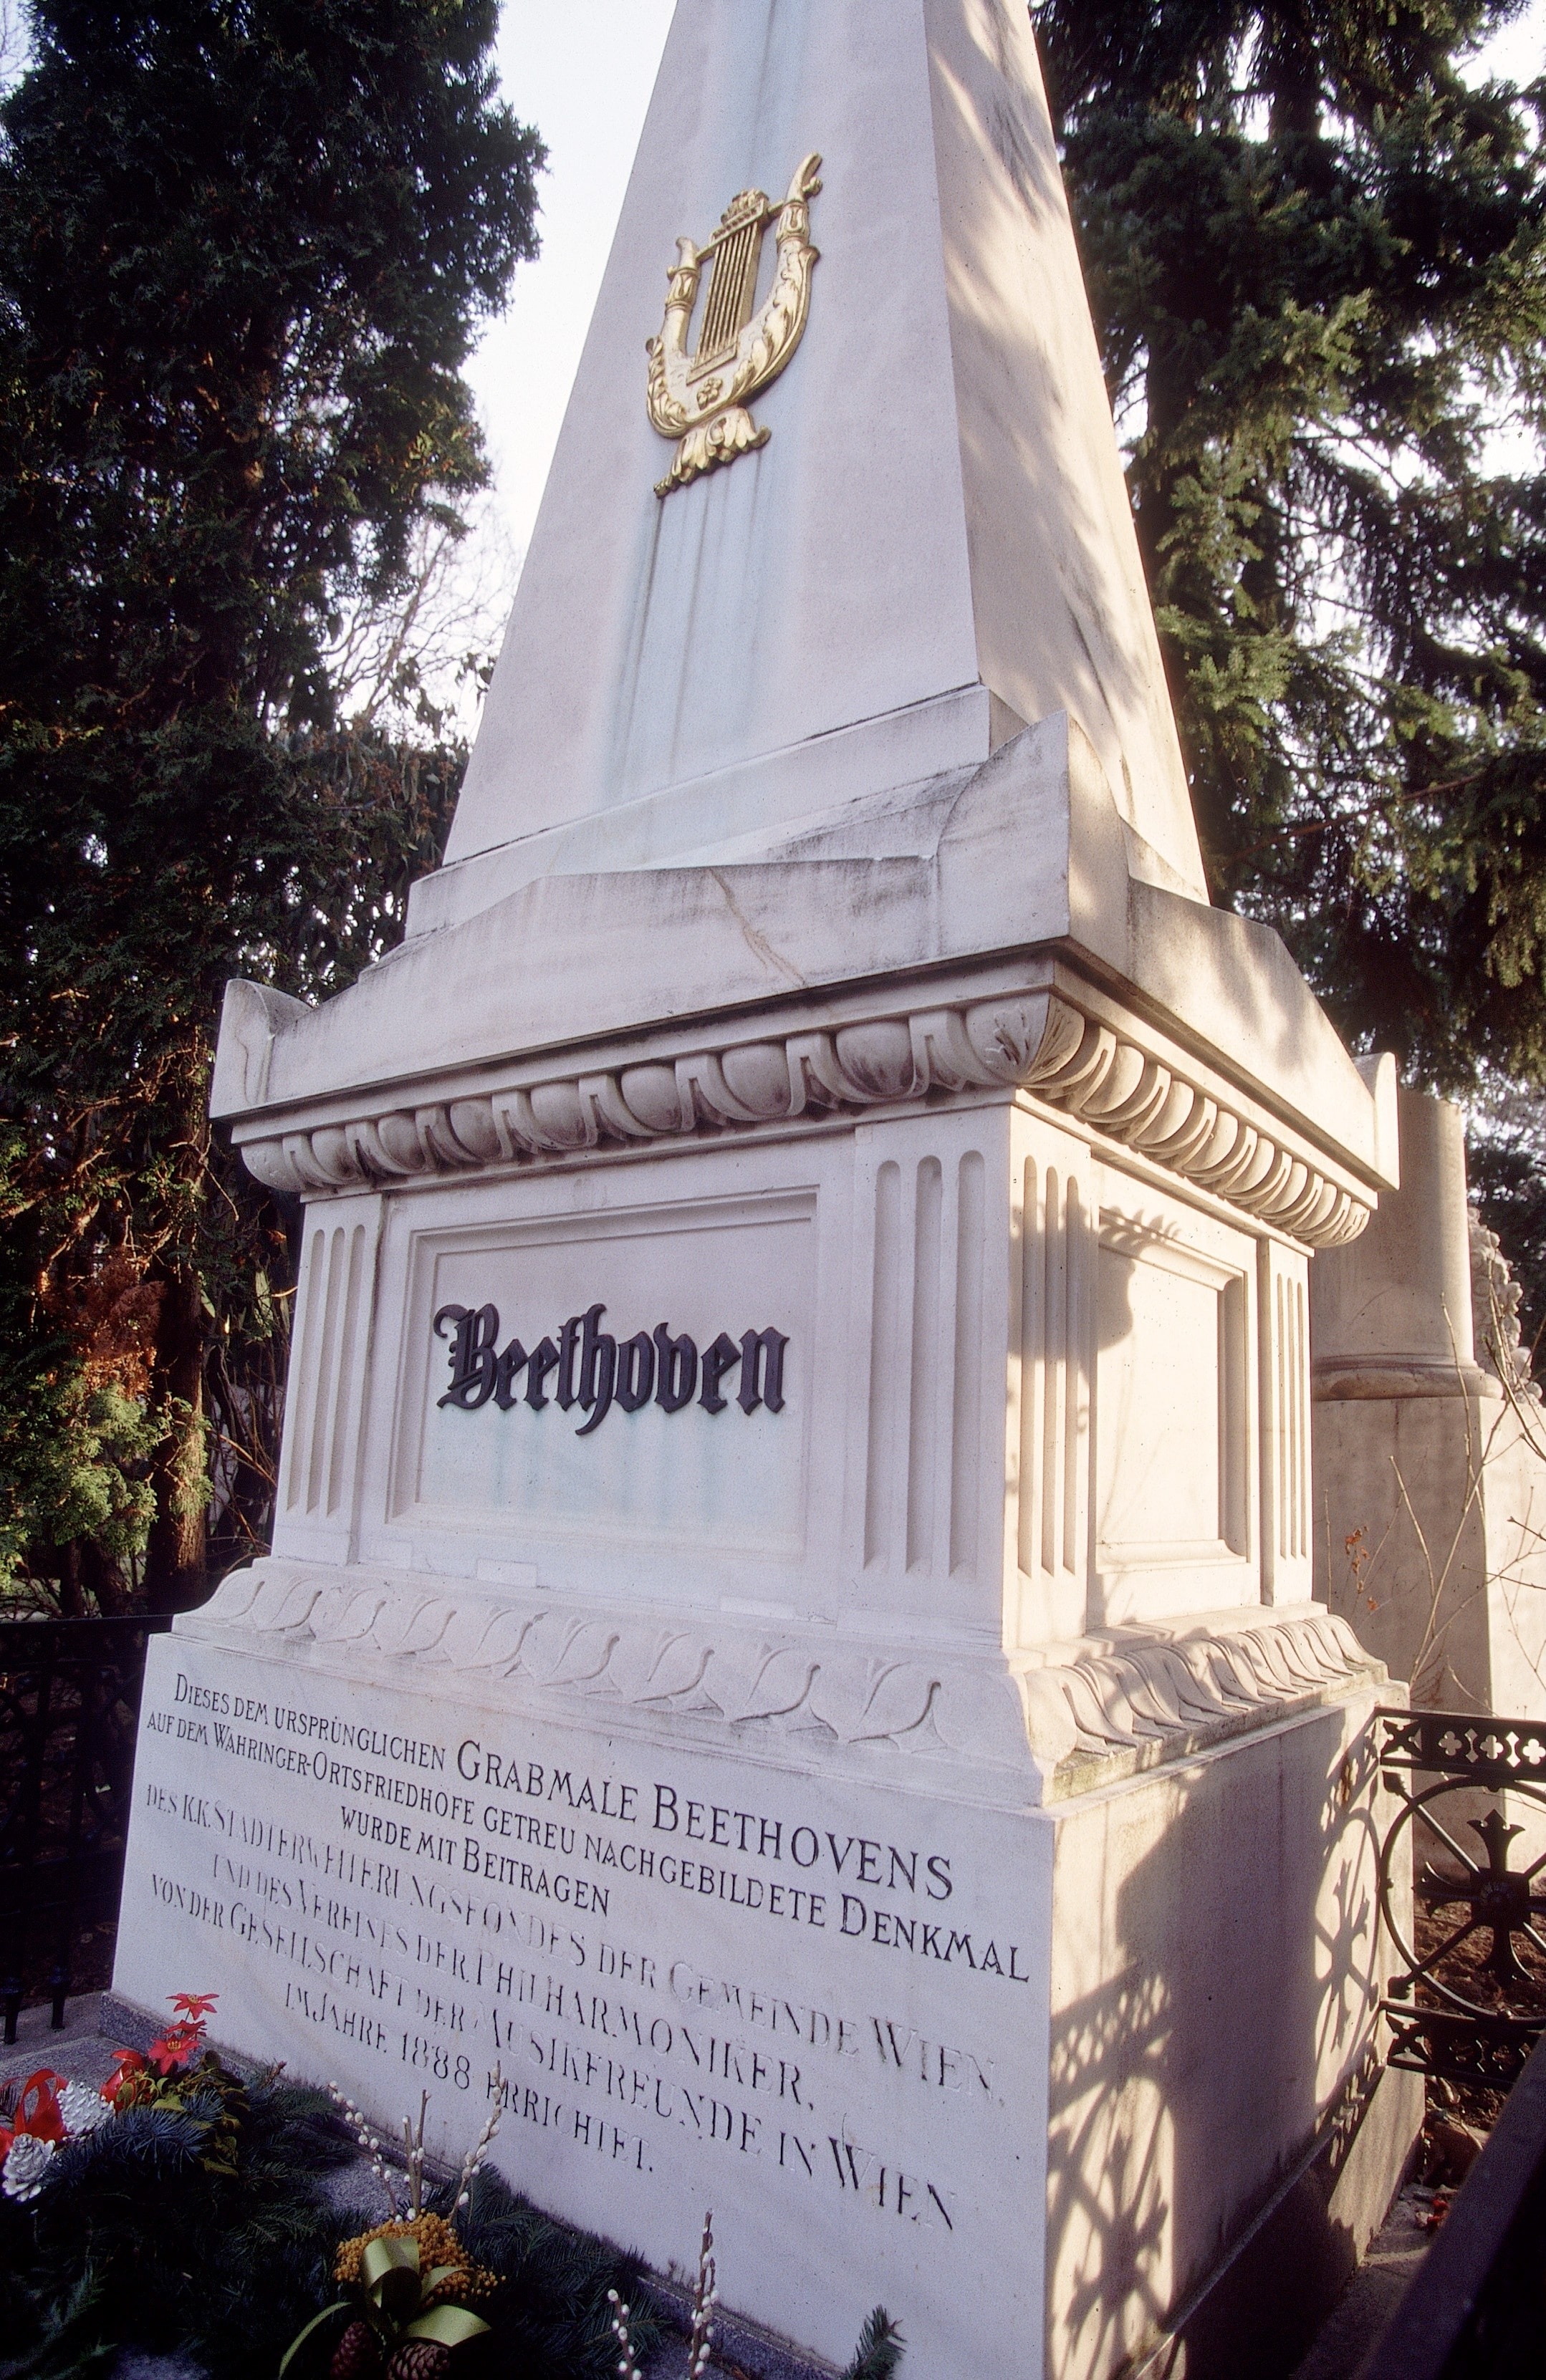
pixel 665 1389
pixel 1160 1481
pixel 1175 1417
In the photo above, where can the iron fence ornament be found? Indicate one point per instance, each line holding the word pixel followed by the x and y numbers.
pixel 1463 2038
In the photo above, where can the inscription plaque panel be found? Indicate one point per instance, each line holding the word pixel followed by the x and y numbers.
pixel 704 1979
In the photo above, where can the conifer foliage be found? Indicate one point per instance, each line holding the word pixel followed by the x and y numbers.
pixel 244 248
pixel 138 2245
pixel 1315 242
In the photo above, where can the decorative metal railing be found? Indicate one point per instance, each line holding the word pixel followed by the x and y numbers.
pixel 1469 2002
pixel 69 1704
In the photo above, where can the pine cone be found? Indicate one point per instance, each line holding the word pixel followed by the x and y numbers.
pixel 420 2359
pixel 357 2355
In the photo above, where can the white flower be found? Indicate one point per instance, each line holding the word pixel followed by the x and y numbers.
pixel 82 2109
pixel 25 2166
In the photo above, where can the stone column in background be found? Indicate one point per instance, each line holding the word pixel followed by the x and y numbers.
pixel 1429 1485
pixel 1391 1313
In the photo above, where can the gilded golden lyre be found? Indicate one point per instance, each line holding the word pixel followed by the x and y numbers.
pixel 700 399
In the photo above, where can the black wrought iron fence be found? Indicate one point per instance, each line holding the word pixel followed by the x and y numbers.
pixel 1468 2003
pixel 69 1704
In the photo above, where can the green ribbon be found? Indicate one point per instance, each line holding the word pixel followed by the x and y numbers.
pixel 450 2326
pixel 390 2272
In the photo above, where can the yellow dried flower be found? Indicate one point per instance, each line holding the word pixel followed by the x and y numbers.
pixel 438 2245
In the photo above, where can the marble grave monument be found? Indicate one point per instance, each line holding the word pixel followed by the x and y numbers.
pixel 789 1649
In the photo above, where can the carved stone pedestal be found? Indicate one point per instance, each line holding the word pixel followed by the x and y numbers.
pixel 788 1923
pixel 789 1634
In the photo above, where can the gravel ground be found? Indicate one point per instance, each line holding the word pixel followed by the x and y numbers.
pixel 1365 2305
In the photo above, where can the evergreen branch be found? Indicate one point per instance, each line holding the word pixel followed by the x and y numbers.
pixel 879 2351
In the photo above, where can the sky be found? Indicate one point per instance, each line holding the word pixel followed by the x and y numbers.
pixel 1518 53
pixel 582 74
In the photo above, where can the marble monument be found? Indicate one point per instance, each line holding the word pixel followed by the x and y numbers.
pixel 1430 1444
pixel 789 1651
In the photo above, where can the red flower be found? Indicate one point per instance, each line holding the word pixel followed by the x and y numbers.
pixel 180 2043
pixel 175 2048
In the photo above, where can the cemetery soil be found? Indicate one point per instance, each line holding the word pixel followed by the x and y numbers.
pixel 1467 1971
pixel 91 1965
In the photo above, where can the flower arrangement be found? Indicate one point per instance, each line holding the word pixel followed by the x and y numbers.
pixel 135 2079
pixel 176 2071
pixel 126 2242
pixel 133 2246
pixel 180 2072
pixel 413 2284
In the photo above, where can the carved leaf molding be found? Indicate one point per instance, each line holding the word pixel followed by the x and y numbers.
pixel 1033 1041
pixel 1154 1696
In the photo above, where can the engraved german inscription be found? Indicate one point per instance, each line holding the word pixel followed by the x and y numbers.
pixel 690 1980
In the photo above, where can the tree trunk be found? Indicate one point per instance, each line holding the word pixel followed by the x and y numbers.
pixel 175 1565
pixel 104 1582
pixel 72 1603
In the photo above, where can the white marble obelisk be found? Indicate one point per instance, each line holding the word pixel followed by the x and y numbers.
pixel 933 549
pixel 789 1632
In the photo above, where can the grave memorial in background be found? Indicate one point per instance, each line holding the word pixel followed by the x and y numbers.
pixel 1429 1446
pixel 788 1651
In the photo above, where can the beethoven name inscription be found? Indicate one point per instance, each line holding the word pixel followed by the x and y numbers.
pixel 592 1368
pixel 606 1375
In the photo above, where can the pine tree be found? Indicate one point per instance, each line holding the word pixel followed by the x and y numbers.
pixel 244 247
pixel 1317 252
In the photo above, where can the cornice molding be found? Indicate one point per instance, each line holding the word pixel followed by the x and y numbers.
pixel 1033 1042
pixel 1080 1714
